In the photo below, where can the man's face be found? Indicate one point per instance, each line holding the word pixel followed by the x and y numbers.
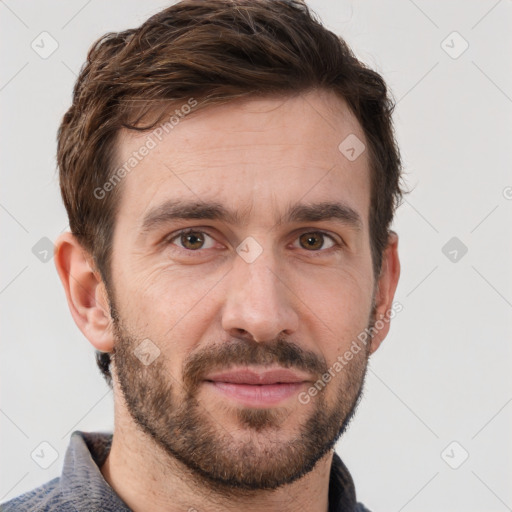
pixel 247 292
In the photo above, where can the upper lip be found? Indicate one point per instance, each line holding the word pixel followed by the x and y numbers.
pixel 253 376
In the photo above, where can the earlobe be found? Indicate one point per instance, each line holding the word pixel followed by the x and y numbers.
pixel 386 287
pixel 85 292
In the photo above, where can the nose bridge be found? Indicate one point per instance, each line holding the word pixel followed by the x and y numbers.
pixel 257 301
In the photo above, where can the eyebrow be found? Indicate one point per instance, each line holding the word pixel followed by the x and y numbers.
pixel 300 212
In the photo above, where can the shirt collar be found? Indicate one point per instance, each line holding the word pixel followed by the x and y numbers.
pixel 342 493
pixel 82 483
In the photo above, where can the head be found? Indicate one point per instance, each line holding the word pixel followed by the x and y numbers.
pixel 239 113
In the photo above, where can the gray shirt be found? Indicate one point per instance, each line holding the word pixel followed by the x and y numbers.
pixel 82 488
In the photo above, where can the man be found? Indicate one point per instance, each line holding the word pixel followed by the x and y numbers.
pixel 230 174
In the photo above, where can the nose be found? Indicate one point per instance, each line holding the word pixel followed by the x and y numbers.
pixel 259 301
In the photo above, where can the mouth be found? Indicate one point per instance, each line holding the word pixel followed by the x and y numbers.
pixel 254 388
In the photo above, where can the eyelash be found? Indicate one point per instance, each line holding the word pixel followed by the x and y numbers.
pixel 314 253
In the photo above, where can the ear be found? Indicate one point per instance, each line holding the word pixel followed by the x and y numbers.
pixel 85 292
pixel 386 286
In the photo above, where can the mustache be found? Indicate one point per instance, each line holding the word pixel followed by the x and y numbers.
pixel 249 353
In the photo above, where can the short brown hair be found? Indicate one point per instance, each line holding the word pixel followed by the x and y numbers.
pixel 215 51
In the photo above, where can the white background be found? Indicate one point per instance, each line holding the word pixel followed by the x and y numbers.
pixel 442 375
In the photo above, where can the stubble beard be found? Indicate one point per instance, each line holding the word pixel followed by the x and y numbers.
pixel 249 451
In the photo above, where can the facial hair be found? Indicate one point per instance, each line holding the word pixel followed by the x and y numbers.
pixel 257 454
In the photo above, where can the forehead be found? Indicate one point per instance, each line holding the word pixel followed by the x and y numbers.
pixel 258 156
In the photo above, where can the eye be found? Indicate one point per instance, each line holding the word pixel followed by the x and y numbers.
pixel 314 240
pixel 191 239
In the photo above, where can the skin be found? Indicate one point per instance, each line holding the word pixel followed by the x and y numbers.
pixel 177 443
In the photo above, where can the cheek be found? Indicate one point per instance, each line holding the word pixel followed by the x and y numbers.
pixel 344 283
pixel 163 290
pixel 170 307
pixel 339 304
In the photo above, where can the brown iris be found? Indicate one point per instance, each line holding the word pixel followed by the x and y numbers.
pixel 193 238
pixel 309 238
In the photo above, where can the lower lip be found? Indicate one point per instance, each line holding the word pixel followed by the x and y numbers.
pixel 252 395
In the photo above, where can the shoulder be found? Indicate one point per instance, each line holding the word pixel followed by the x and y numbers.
pixel 44 498
pixel 360 508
